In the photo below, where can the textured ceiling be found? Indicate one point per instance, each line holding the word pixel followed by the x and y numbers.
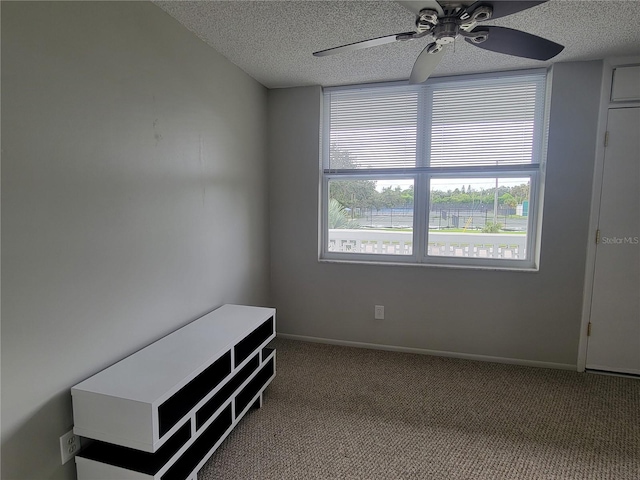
pixel 273 40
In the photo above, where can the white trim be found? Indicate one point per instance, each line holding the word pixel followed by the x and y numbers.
pixel 435 353
pixel 323 148
pixel 596 187
pixel 633 374
pixel 596 191
pixel 396 263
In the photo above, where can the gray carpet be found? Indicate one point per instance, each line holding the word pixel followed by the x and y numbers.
pixel 347 413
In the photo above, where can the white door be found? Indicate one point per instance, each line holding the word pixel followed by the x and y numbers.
pixel 614 343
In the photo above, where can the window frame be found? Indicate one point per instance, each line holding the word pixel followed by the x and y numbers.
pixel 422 175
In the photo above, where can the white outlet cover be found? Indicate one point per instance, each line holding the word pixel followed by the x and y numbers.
pixel 379 312
pixel 69 446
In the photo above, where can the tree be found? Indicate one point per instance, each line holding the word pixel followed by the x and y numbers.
pixel 507 199
pixel 407 196
pixel 520 192
pixel 395 197
pixel 340 159
pixel 337 216
pixel 350 193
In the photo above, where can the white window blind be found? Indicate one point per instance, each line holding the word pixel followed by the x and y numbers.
pixel 462 123
pixel 485 123
pixel 376 128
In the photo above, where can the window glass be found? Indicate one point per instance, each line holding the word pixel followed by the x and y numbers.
pixel 479 217
pixel 371 216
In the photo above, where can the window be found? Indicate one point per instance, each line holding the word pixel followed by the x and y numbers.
pixel 444 173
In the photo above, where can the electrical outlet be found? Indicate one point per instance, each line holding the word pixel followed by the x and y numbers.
pixel 69 446
pixel 379 312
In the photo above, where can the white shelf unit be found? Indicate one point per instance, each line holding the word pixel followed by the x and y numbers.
pixel 161 412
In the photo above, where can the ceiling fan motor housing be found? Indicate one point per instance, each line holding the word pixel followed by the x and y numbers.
pixel 446 31
pixel 455 21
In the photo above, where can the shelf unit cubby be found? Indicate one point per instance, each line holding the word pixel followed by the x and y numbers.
pixel 160 413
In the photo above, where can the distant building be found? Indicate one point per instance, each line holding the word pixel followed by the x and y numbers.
pixel 523 209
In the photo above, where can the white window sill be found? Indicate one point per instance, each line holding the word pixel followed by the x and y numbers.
pixel 430 265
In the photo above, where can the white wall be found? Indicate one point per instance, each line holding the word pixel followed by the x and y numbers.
pixel 517 315
pixel 134 199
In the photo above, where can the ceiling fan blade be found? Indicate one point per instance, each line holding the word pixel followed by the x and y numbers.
pixel 373 42
pixel 502 8
pixel 415 6
pixel 517 43
pixel 425 64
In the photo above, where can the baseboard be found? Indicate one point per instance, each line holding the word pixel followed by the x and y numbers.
pixel 624 372
pixel 436 353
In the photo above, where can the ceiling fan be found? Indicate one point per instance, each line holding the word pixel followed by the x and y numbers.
pixel 444 21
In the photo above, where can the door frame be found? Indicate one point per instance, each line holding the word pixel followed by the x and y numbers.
pixel 596 192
